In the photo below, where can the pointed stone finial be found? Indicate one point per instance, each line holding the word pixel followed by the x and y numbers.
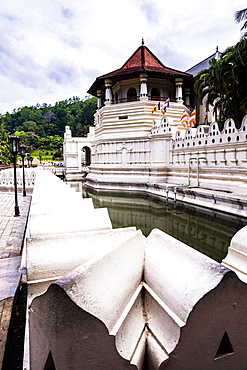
pixel 142 41
pixel 217 49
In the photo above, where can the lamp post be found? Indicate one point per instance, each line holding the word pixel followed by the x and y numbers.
pixel 40 156
pixel 28 159
pixel 31 160
pixel 23 155
pixel 14 146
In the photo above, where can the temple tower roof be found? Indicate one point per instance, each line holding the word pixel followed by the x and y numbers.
pixel 141 61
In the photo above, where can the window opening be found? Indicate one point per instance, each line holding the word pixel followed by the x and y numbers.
pixel 49 365
pixel 155 94
pixel 131 94
pixel 225 347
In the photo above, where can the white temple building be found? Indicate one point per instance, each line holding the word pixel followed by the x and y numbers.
pixel 138 146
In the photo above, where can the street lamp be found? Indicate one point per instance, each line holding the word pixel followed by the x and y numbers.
pixel 23 155
pixel 31 160
pixel 40 156
pixel 28 159
pixel 14 146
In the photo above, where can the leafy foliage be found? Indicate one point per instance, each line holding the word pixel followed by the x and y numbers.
pixel 46 120
pixel 240 16
pixel 4 146
pixel 42 126
pixel 224 84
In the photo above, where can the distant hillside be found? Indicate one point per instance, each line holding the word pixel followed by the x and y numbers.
pixel 46 120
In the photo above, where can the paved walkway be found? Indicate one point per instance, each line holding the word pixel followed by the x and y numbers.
pixel 12 231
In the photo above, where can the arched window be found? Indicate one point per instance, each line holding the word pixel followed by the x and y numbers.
pixel 131 94
pixel 155 94
pixel 86 156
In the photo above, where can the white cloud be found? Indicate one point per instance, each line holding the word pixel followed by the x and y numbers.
pixel 54 49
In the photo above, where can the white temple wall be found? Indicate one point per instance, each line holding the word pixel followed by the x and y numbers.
pixel 72 150
pixel 122 152
pixel 149 151
pixel 212 146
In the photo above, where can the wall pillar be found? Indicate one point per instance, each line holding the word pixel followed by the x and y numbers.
pixel 144 88
pixel 179 91
pixel 187 96
pixel 100 98
pixel 108 92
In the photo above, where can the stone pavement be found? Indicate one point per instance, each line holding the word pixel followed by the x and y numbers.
pixel 12 231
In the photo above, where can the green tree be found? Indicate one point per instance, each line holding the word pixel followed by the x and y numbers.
pixel 51 142
pixel 224 83
pixel 240 16
pixel 30 139
pixel 47 120
pixel 56 141
pixel 44 143
pixel 58 154
pixel 48 117
pixel 28 126
pixel 4 145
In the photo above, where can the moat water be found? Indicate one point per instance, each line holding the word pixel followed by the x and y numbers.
pixel 203 229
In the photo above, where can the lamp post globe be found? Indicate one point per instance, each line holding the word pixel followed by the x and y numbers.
pixel 14 147
pixel 14 144
pixel 23 150
pixel 23 155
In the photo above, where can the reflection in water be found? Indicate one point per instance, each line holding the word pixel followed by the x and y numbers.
pixel 208 231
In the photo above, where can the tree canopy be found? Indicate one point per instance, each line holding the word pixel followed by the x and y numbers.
pixel 4 146
pixel 224 83
pixel 45 120
pixel 42 126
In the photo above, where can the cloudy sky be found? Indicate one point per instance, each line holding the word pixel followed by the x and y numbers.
pixel 51 50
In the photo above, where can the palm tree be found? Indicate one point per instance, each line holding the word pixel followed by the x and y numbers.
pixel 241 15
pixel 208 85
pixel 224 84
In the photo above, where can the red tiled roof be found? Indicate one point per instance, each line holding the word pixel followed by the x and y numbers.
pixel 142 60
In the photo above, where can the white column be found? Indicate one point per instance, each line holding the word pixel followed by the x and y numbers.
pixel 179 91
pixel 108 92
pixel 187 96
pixel 144 88
pixel 99 96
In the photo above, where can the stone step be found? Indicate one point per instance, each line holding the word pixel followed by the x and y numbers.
pixel 64 206
pixel 54 223
pixel 50 257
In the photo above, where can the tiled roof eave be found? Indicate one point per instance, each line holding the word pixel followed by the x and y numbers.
pixel 122 72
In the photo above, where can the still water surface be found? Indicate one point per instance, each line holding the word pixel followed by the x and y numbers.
pixel 208 231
